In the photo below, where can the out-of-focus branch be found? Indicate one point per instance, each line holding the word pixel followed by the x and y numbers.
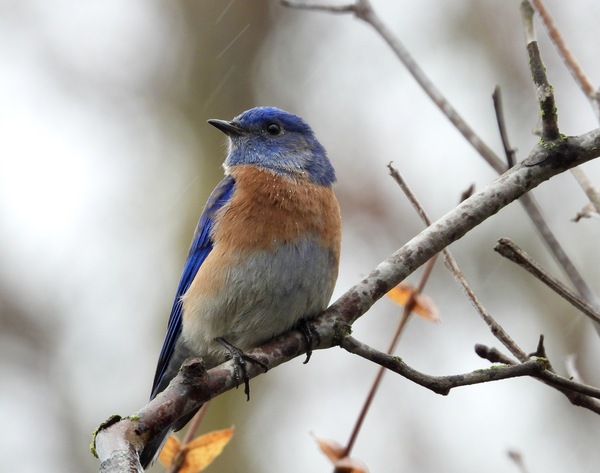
pixel 561 257
pixel 510 250
pixel 362 9
pixel 591 191
pixel 499 110
pixel 456 273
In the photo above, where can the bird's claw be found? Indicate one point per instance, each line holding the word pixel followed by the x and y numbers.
pixel 239 362
pixel 310 334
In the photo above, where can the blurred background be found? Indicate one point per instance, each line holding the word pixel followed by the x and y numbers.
pixel 106 161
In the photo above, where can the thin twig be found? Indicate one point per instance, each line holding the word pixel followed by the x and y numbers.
pixel 510 250
pixel 410 194
pixel 493 355
pixel 499 110
pixel 406 313
pixel 533 210
pixel 350 7
pixel 452 266
pixel 592 192
pixel 567 56
pixel 494 326
pixel 443 384
pixel 408 308
pixel 545 92
pixel 537 367
pixel 535 214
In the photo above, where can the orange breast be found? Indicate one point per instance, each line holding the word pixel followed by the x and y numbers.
pixel 269 209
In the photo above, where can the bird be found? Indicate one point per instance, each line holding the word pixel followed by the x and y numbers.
pixel 265 253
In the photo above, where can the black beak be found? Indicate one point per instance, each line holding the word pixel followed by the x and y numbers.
pixel 226 127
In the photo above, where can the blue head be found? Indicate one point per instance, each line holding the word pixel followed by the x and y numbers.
pixel 276 140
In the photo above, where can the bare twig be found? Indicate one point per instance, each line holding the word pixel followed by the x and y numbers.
pixel 536 367
pixel 579 394
pixel 406 313
pixel 348 8
pixel 443 384
pixel 545 92
pixel 410 194
pixel 532 208
pixel 494 326
pixel 510 250
pixel 452 266
pixel 408 308
pixel 592 192
pixel 508 150
pixel 493 355
pixel 556 249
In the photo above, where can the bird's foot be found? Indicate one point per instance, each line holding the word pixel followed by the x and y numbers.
pixel 310 334
pixel 239 359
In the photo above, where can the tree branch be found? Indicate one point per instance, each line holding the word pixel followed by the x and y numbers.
pixel 545 92
pixel 511 251
pixel 509 152
pixel 443 384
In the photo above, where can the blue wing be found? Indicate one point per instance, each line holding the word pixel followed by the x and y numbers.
pixel 201 246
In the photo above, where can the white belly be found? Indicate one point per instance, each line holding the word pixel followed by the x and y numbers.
pixel 263 296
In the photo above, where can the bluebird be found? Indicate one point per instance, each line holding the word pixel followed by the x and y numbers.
pixel 265 252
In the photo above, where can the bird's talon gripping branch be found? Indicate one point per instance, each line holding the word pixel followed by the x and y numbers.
pixel 310 334
pixel 239 359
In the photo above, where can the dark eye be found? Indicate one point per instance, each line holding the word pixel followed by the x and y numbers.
pixel 273 129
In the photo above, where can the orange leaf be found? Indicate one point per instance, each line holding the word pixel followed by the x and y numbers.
pixel 171 448
pixel 423 304
pixel 330 448
pixel 203 450
pixel 199 453
pixel 334 451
